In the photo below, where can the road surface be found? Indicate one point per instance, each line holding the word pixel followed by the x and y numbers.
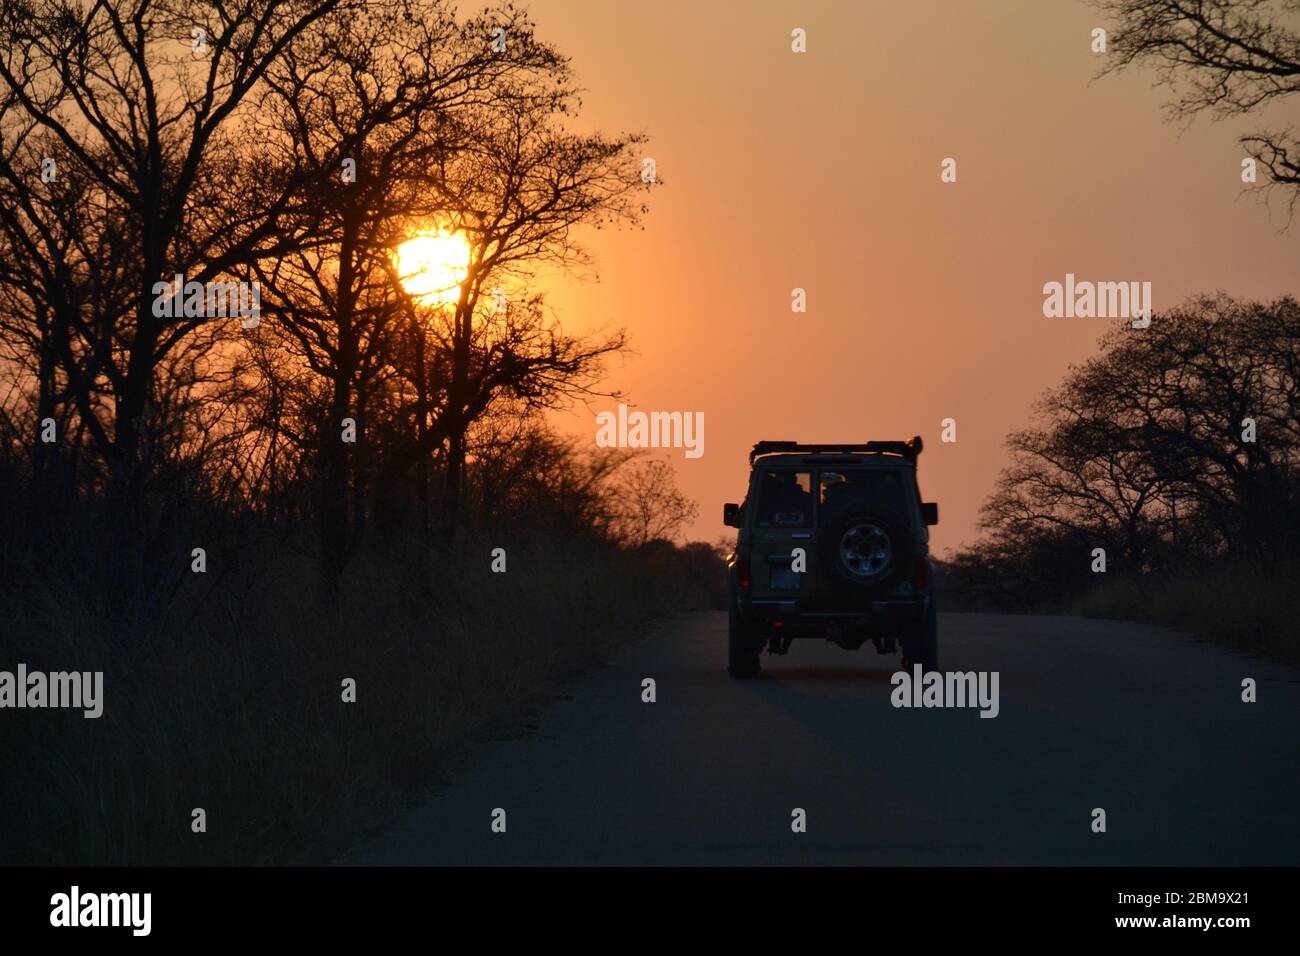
pixel 1144 723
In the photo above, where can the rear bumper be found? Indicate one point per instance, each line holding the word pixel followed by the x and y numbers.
pixel 814 614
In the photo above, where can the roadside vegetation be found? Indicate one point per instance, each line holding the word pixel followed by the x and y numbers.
pixel 225 690
pixel 1161 482
pixel 233 514
pixel 1203 519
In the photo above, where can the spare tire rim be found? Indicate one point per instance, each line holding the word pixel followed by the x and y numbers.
pixel 865 549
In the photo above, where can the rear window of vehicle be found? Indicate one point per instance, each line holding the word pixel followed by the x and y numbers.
pixel 877 489
pixel 785 499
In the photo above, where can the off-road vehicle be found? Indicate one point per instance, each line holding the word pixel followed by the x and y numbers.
pixel 833 542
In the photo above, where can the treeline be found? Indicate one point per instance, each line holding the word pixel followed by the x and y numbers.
pixel 1173 455
pixel 292 146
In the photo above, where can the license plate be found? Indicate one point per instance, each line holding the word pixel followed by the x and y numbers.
pixel 785 578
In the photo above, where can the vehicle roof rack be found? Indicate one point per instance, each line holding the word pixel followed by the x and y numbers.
pixel 909 449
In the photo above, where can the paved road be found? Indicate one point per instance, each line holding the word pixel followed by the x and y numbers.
pixel 1142 722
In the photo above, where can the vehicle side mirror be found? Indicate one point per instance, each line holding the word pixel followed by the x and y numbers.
pixel 731 514
pixel 930 512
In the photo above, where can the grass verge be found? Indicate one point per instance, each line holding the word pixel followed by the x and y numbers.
pixel 1249 609
pixel 231 700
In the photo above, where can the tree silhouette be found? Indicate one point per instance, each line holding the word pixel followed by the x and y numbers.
pixel 1175 444
pixel 1225 57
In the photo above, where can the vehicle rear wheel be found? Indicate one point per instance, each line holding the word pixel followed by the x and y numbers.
pixel 923 648
pixel 743 647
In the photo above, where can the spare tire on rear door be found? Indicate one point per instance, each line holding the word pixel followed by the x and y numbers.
pixel 866 552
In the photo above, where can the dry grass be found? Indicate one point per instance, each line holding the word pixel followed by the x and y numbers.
pixel 232 701
pixel 1252 610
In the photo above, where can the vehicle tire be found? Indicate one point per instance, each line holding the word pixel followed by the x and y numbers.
pixel 923 648
pixel 866 552
pixel 743 647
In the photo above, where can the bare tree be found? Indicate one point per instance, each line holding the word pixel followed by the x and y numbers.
pixel 66 270
pixel 368 103
pixel 519 193
pixel 1225 57
pixel 144 99
pixel 646 504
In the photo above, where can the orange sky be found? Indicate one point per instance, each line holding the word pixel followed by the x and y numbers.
pixel 821 170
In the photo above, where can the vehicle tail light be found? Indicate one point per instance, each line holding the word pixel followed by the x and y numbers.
pixel 743 572
pixel 921 574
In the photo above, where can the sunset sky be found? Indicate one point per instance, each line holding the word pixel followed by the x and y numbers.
pixel 821 170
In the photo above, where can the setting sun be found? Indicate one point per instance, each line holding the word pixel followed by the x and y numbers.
pixel 432 265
